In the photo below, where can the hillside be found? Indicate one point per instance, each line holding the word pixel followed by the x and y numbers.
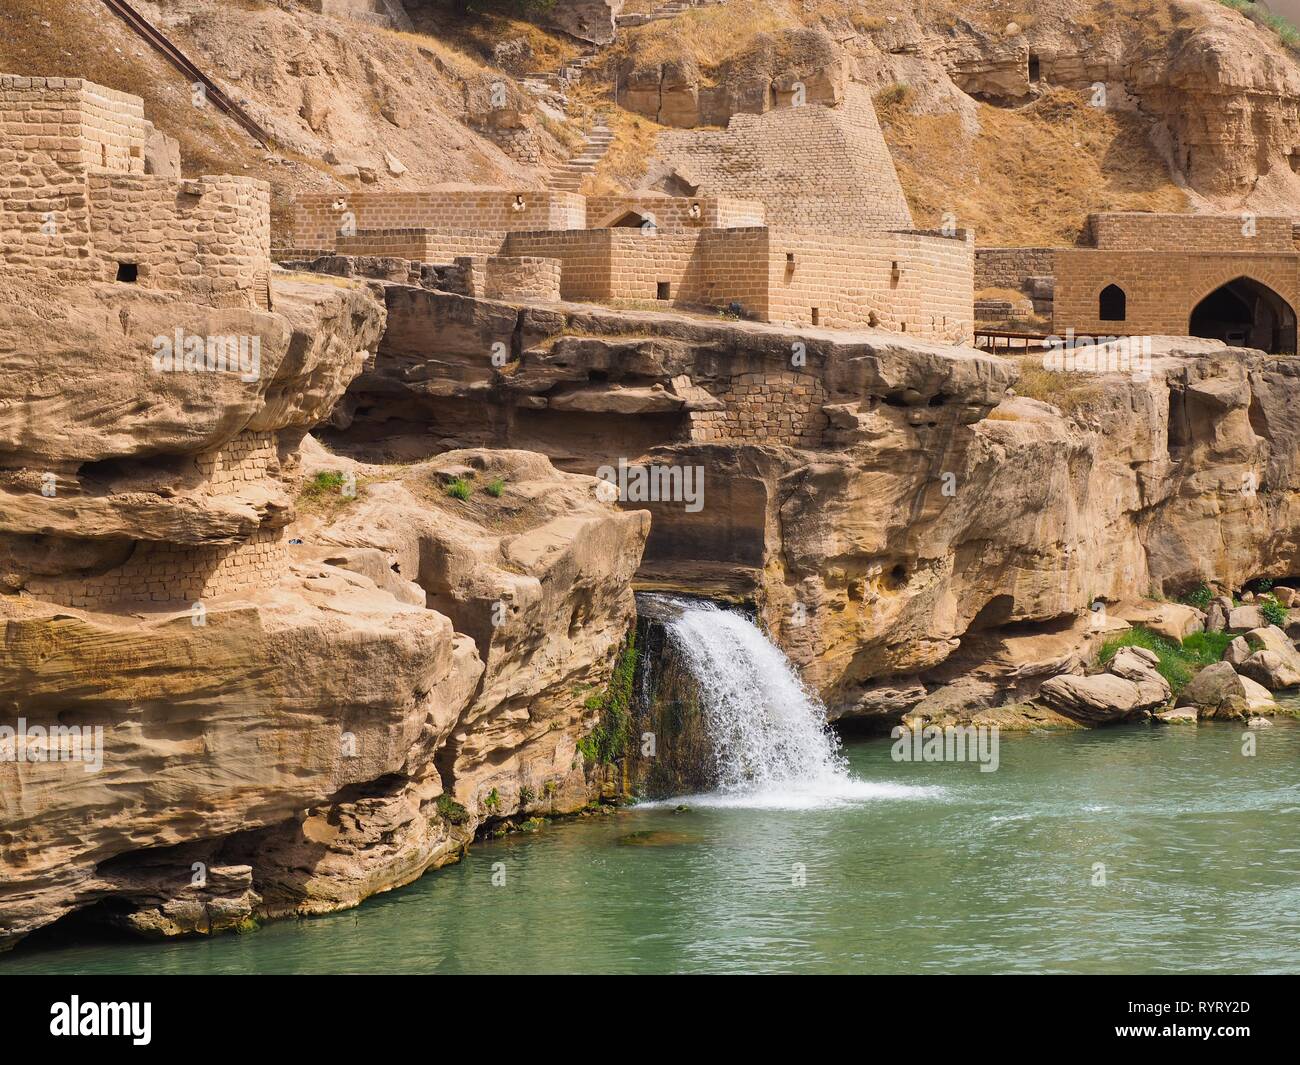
pixel 983 104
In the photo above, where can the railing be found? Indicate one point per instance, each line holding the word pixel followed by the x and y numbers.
pixel 1007 336
pixel 181 62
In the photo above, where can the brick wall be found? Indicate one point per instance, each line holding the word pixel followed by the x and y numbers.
pixel 208 237
pixel 1011 267
pixel 319 219
pixel 1161 289
pixel 812 167
pixel 1191 232
pixel 522 277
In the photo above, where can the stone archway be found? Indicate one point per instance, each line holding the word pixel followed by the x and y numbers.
pixel 1246 313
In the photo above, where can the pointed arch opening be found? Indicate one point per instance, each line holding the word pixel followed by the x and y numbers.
pixel 1112 304
pixel 1246 313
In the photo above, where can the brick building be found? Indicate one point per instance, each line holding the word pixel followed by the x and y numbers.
pixel 90 192
pixel 1231 277
pixel 798 217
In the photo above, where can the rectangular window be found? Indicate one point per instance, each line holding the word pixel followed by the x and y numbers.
pixel 663 290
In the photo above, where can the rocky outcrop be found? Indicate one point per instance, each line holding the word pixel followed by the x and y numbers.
pixel 1132 687
pixel 241 678
pixel 1218 691
pixel 902 522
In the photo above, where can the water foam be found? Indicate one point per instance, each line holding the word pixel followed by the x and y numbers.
pixel 772 746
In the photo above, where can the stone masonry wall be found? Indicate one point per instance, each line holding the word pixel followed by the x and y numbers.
pixel 52 132
pixel 419 245
pixel 1180 232
pixel 522 277
pixel 319 219
pixel 673 212
pixel 1011 267
pixel 813 167
pixel 782 407
pixel 1161 289
pixel 852 282
pixel 170 573
pixel 208 238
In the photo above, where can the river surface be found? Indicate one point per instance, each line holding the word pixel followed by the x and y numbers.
pixel 910 867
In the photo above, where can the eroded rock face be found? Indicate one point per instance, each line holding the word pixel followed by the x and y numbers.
pixel 900 519
pixel 282 702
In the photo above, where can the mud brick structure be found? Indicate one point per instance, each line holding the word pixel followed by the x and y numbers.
pixel 161 572
pixel 77 202
pixel 793 216
pixel 1230 277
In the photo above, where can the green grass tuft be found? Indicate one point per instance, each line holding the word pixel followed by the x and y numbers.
pixel 608 741
pixel 1178 663
pixel 460 488
pixel 495 487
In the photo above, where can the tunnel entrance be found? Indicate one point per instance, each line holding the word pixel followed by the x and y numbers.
pixel 1243 312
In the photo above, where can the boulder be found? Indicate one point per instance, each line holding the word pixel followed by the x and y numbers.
pixel 1136 664
pixel 1216 618
pixel 1218 691
pixel 1102 698
pixel 1174 621
pixel 1238 651
pixel 1260 698
pixel 1183 715
pixel 1275 662
pixel 1245 618
pixel 1286 596
pixel 1272 670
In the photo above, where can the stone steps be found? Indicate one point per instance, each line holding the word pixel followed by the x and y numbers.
pixel 569 175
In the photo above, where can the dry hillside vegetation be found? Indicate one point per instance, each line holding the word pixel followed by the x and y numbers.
pixel 1030 176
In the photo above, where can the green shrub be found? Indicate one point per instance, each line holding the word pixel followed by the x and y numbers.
pixel 452 811
pixel 1273 611
pixel 460 488
pixel 1199 596
pixel 526 795
pixel 608 740
pixel 493 801
pixel 495 487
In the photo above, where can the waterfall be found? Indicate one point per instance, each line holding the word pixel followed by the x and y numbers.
pixel 771 744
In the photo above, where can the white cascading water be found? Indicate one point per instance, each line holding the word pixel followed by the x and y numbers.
pixel 770 737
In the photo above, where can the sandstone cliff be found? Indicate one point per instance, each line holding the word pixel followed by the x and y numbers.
pixel 906 524
pixel 302 695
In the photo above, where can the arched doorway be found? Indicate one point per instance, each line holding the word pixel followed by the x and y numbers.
pixel 1246 314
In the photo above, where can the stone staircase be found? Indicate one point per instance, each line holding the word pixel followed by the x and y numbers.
pixel 569 176
pixel 669 10
pixel 550 88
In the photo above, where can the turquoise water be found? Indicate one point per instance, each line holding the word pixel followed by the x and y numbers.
pixel 940 869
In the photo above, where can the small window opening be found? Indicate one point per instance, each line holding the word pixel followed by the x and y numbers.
pixel 1112 304
pixel 663 290
pixel 1035 70
pixel 128 272
pixel 816 316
